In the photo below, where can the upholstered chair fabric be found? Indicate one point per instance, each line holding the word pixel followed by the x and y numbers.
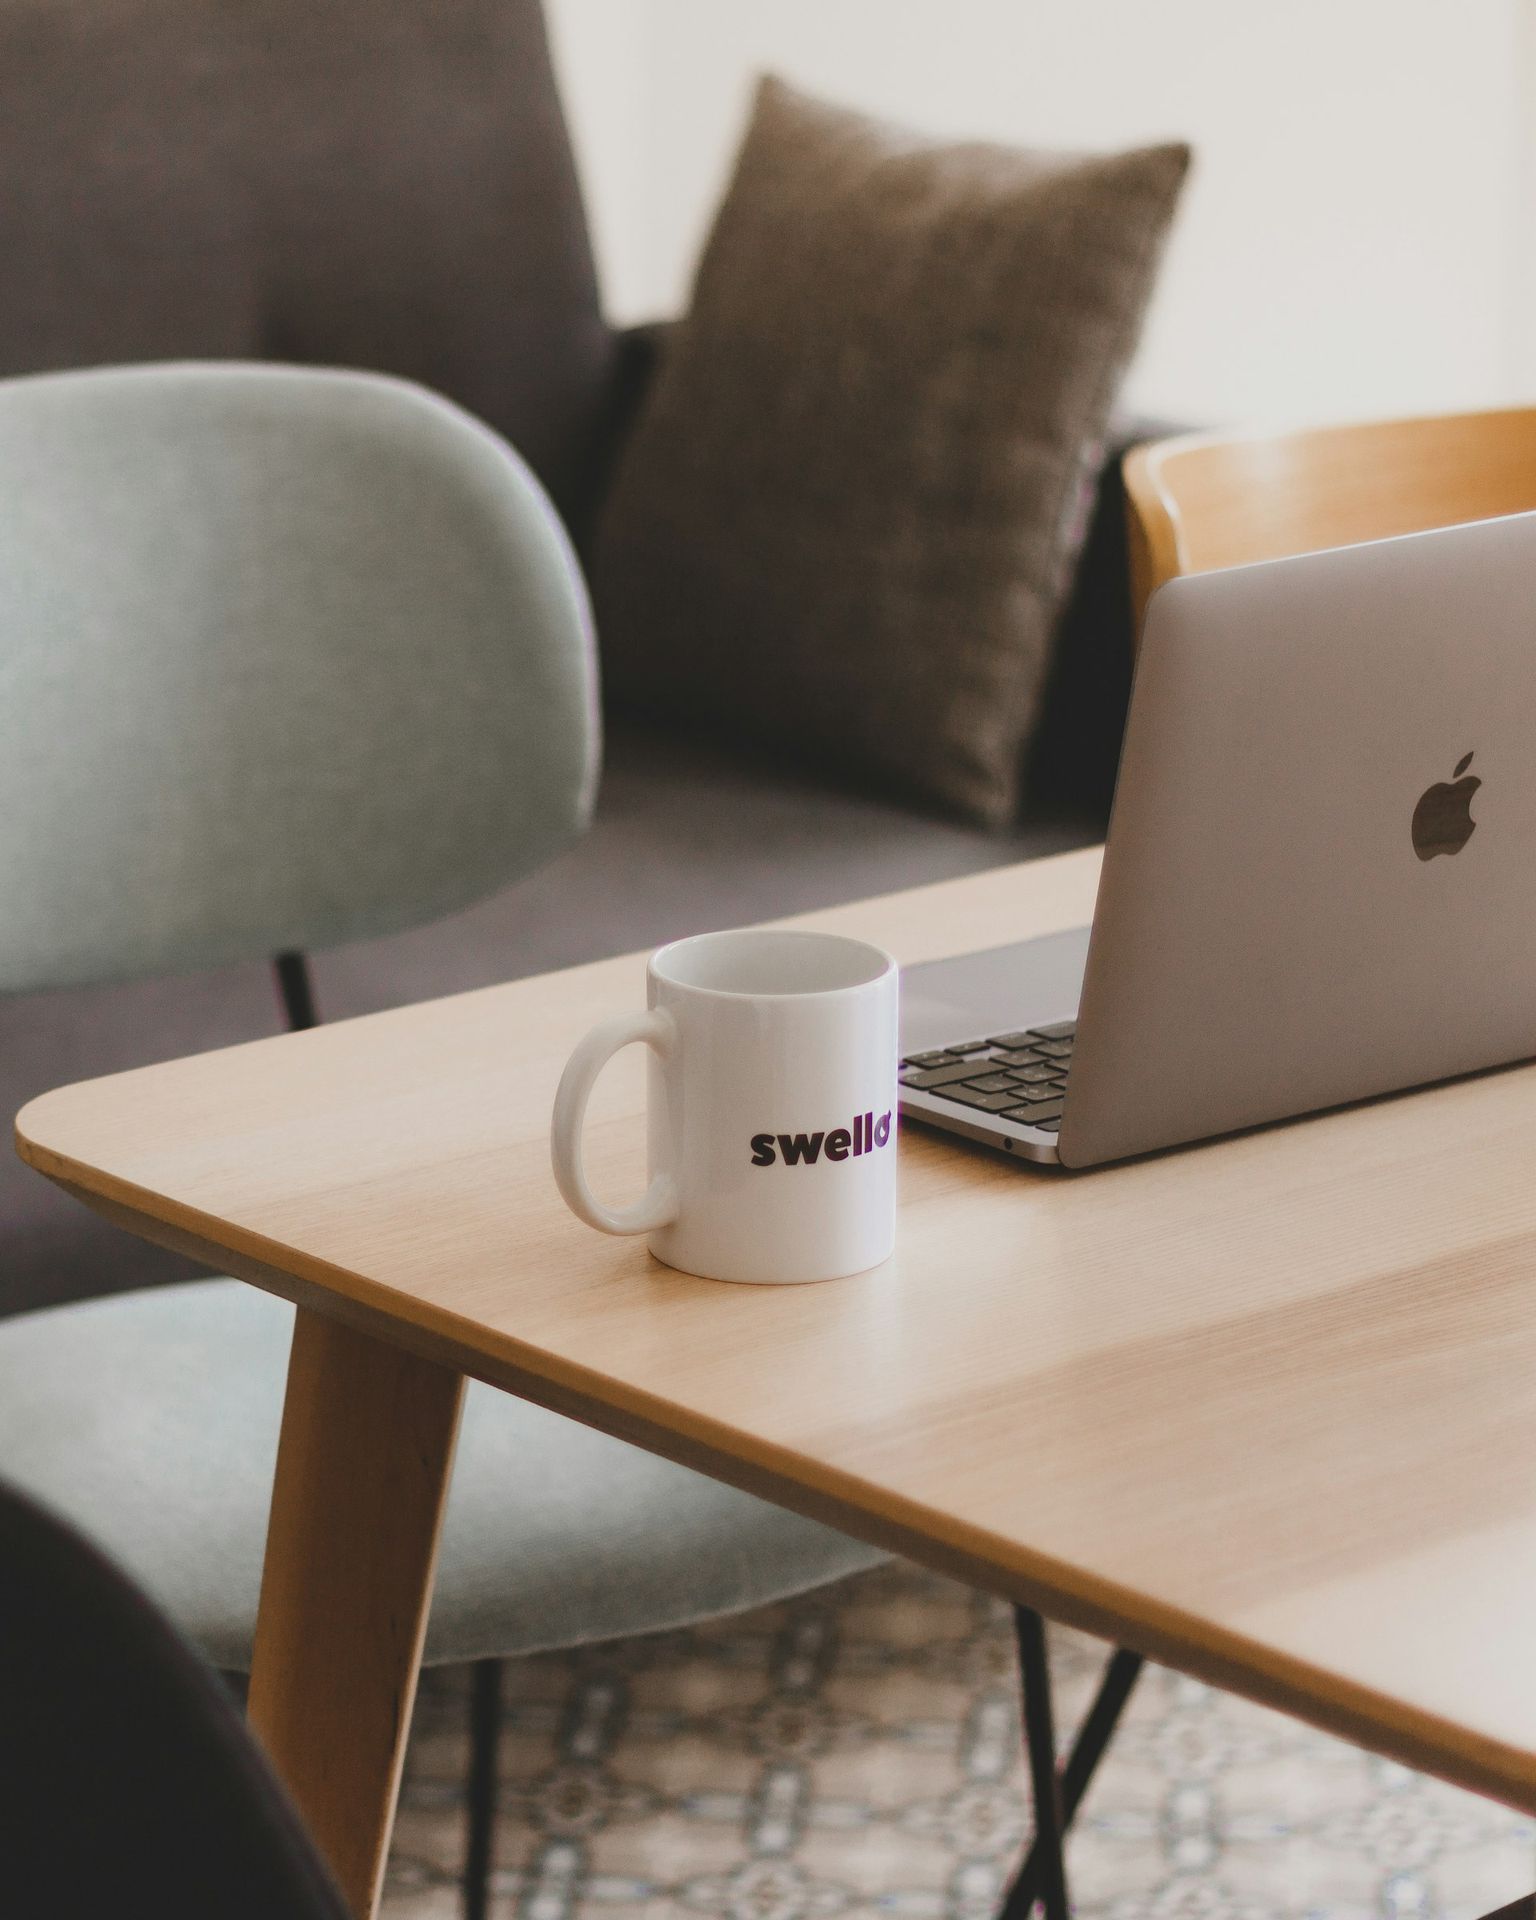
pixel 289 658
pixel 151 1419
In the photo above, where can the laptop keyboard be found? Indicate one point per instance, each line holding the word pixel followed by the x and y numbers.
pixel 1018 1076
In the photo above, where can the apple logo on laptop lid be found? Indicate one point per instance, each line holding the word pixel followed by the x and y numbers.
pixel 1442 821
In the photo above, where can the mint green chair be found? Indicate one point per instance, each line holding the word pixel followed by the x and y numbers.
pixel 289 658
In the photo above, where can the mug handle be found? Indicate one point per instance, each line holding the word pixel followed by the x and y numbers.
pixel 657 1206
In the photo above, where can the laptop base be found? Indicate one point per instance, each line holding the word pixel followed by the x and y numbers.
pixel 955 1008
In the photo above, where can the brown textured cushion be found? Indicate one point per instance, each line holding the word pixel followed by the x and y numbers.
pixel 846 519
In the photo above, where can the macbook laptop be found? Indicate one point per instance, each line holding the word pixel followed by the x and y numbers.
pixel 1319 883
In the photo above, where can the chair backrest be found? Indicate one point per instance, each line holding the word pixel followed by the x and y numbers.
pixel 384 184
pixel 128 1780
pixel 1206 500
pixel 286 658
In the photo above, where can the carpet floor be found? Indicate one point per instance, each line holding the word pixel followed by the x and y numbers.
pixel 855 1756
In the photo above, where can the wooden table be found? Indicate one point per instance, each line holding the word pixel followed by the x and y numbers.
pixel 1265 1409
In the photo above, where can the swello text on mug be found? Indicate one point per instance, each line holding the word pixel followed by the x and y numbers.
pixel 804 1149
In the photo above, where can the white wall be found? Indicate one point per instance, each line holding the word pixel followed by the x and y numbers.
pixel 1359 236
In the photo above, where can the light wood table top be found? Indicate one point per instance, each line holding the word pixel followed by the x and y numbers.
pixel 1265 1409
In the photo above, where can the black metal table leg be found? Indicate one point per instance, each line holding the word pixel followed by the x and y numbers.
pixel 1044 1859
pixel 1040 1740
pixel 1097 1728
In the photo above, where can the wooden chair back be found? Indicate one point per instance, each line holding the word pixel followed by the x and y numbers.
pixel 1204 500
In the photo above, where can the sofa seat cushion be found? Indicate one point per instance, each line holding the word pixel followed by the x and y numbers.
pixel 150 1420
pixel 690 834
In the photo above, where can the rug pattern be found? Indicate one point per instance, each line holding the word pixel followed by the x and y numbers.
pixel 856 1756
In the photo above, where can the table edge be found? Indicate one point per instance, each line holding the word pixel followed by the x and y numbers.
pixel 1063 1592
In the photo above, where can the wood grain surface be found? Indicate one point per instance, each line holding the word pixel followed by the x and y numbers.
pixel 357 1506
pixel 1265 1408
pixel 1217 500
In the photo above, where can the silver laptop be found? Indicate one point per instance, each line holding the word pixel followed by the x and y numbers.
pixel 1320 877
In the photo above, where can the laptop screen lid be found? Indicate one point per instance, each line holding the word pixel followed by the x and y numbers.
pixel 1320 878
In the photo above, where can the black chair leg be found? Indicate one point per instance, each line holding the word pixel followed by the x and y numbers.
pixel 296 990
pixel 480 1830
pixel 1059 1793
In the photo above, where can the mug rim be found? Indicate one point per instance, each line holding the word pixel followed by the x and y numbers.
pixel 655 966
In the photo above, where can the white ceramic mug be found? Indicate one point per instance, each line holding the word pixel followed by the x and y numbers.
pixel 772 1107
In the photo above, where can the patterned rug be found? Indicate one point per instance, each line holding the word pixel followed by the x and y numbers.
pixel 855 1756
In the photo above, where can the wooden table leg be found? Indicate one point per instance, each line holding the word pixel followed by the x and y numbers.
pixel 362 1472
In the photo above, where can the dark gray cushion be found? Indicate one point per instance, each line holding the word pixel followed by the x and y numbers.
pixel 367 185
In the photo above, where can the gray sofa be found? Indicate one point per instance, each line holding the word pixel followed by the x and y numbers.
pixel 391 187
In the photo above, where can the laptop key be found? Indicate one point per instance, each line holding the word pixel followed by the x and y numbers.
pixel 988 1102
pixel 1036 1070
pixel 993 1083
pixel 1056 1049
pixel 939 1059
pixel 1062 1030
pixel 928 1078
pixel 971 1046
pixel 1013 1039
pixel 1049 1126
pixel 1035 1112
pixel 1016 1057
